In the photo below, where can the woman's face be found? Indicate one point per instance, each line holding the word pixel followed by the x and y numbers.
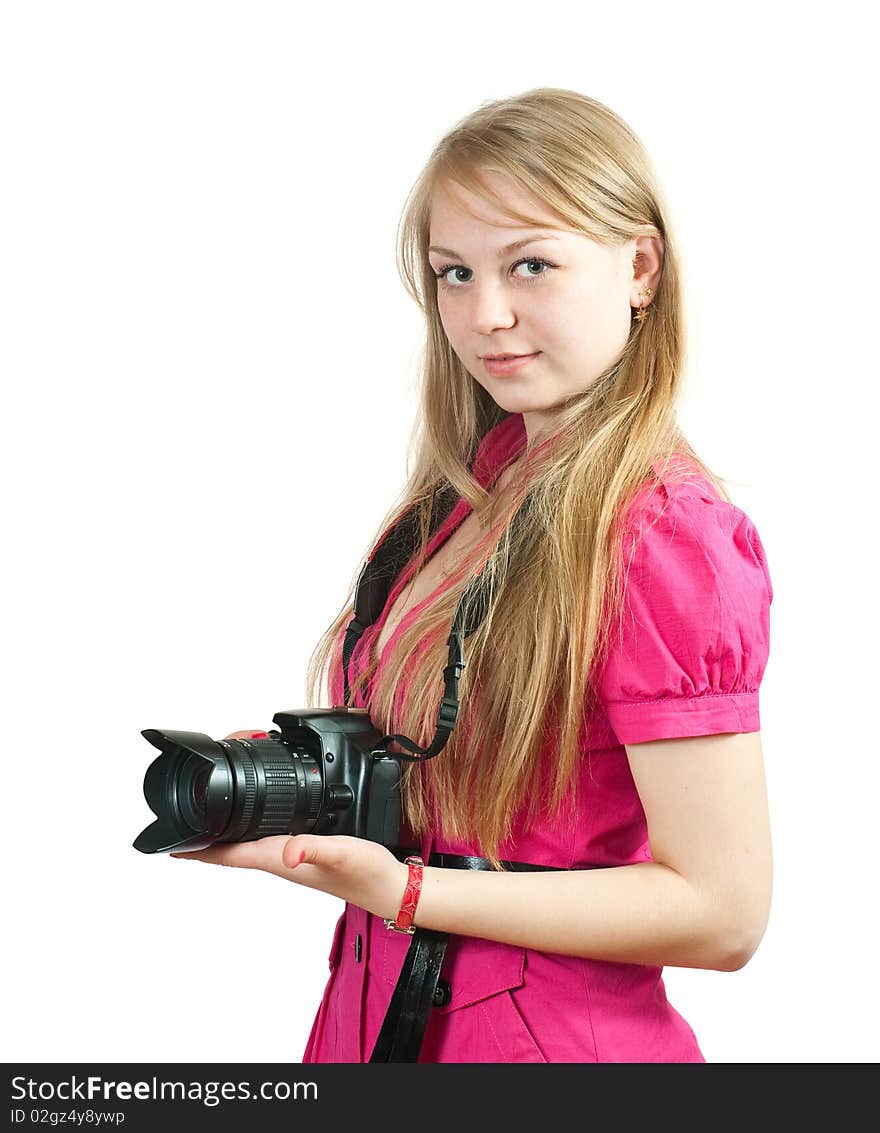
pixel 560 295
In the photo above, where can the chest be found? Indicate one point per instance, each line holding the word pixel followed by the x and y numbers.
pixel 443 561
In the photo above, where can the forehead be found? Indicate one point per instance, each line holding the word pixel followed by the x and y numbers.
pixel 457 208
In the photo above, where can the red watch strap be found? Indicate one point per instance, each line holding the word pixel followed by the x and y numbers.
pixel 411 895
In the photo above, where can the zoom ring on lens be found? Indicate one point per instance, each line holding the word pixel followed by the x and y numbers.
pixel 281 796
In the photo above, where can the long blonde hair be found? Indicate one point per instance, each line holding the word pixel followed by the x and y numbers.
pixel 555 583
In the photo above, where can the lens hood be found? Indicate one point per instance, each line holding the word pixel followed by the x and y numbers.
pixel 190 787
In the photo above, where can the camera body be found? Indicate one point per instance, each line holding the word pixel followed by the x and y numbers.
pixel 318 774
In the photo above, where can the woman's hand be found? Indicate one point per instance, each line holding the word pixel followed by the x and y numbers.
pixel 354 869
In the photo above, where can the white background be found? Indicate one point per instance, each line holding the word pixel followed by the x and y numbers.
pixel 209 384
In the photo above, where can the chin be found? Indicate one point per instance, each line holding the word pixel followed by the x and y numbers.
pixel 521 401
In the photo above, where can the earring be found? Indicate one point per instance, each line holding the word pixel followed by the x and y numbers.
pixel 642 312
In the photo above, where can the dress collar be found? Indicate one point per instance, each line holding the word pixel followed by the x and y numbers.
pixel 498 447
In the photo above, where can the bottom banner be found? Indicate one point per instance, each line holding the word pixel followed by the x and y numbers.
pixel 269 1096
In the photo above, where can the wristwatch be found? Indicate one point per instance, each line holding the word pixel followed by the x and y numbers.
pixel 411 895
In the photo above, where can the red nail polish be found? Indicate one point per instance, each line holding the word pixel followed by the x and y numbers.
pixel 259 735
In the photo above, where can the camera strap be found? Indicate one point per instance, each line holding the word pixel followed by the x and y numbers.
pixel 378 573
pixel 371 593
pixel 403 1027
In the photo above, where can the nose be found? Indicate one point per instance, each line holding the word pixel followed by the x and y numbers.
pixel 491 308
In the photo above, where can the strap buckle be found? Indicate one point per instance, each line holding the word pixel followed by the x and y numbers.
pixel 406 931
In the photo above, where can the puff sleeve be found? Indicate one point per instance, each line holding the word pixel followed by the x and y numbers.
pixel 695 632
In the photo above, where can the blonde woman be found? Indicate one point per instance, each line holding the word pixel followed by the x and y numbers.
pixel 599 810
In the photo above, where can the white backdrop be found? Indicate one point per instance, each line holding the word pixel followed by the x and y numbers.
pixel 209 385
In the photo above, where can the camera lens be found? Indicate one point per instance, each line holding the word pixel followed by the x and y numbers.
pixel 194 776
pixel 204 791
pixel 200 790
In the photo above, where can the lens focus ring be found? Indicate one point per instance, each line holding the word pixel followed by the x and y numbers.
pixel 250 793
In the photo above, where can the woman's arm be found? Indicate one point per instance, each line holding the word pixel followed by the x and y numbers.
pixel 702 903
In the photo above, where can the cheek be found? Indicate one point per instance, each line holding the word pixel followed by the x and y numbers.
pixel 450 320
pixel 591 315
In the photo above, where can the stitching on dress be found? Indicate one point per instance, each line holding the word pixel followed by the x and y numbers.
pixel 702 696
pixel 494 1033
pixel 589 1008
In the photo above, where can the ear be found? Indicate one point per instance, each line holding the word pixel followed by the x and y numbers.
pixel 647 264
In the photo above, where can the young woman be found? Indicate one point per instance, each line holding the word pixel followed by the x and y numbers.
pixel 605 773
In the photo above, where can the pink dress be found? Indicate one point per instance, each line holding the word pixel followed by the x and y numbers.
pixel 694 652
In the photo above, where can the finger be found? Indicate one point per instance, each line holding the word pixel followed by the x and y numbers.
pixel 312 849
pixel 228 853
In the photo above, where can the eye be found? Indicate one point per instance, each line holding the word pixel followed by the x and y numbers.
pixel 528 260
pixel 528 263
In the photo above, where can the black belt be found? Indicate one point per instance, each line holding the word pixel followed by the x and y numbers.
pixel 403 1027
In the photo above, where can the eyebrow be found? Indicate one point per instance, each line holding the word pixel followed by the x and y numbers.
pixel 501 251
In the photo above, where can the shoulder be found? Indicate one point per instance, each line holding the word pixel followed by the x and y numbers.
pixel 692 639
pixel 680 517
pixel 676 488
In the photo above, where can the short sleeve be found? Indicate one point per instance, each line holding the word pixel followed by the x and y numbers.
pixel 695 635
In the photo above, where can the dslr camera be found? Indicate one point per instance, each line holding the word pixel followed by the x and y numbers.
pixel 325 770
pixel 321 772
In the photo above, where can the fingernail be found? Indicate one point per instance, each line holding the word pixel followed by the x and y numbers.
pixel 259 735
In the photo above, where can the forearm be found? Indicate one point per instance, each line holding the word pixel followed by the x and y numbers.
pixel 645 913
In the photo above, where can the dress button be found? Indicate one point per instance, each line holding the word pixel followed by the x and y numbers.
pixel 358 948
pixel 442 994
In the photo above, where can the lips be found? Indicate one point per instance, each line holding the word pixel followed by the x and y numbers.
pixel 509 365
pixel 502 357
